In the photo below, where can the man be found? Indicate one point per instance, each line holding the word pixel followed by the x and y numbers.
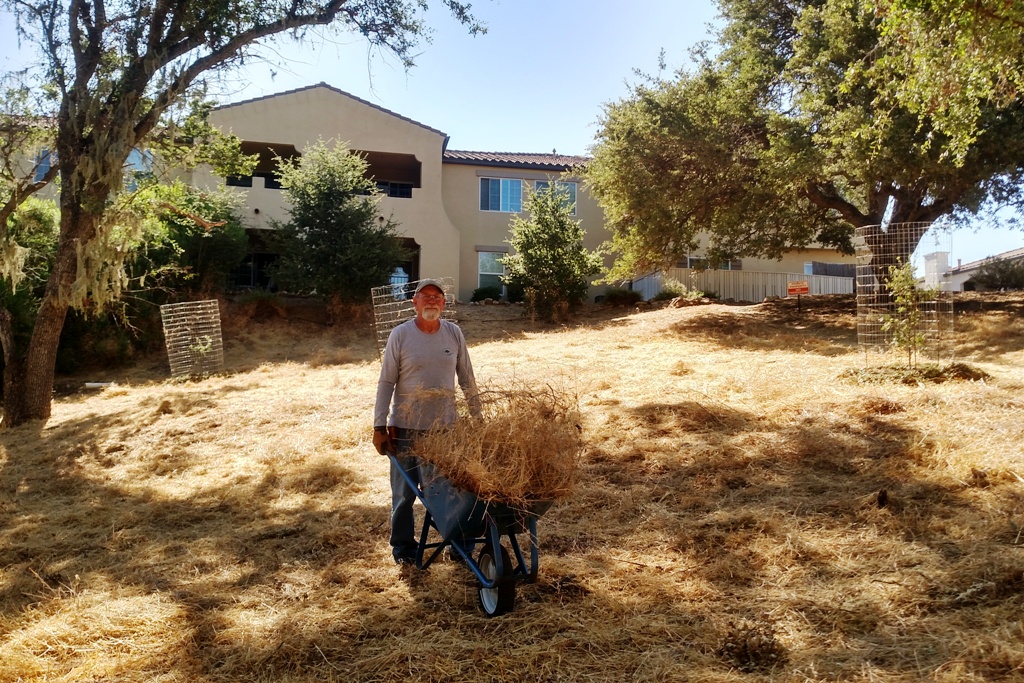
pixel 416 391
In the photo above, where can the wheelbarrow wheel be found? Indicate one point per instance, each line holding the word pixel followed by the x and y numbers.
pixel 501 598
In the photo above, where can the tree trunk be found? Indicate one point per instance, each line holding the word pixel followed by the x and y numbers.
pixel 28 381
pixel 28 375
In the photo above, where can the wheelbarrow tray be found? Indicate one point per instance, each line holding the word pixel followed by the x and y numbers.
pixel 460 515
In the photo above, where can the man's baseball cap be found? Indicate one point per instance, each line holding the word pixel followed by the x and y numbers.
pixel 428 283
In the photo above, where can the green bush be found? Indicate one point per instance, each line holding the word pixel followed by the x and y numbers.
pixel 515 294
pixel 619 296
pixel 996 274
pixel 550 263
pixel 196 242
pixel 481 293
pixel 905 324
pixel 335 240
pixel 670 289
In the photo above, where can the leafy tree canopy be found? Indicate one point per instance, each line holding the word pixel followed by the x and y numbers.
pixel 111 75
pixel 198 240
pixel 949 58
pixel 550 262
pixel 335 242
pixel 783 138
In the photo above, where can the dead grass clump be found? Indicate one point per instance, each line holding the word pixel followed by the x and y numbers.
pixel 524 447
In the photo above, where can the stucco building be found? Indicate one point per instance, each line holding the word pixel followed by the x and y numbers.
pixel 453 207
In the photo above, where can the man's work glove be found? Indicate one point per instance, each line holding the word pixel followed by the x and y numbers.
pixel 384 439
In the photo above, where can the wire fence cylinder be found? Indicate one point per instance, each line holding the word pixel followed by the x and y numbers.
pixel 392 305
pixel 195 346
pixel 880 248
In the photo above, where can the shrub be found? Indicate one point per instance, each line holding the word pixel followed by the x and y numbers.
pixel 515 294
pixel 550 262
pixel 481 293
pixel 333 241
pixel 996 274
pixel 197 241
pixel 673 289
pixel 619 296
pixel 904 325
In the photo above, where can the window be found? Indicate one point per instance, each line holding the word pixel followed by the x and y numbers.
pixel 568 188
pixel 393 189
pixel 238 180
pixel 44 160
pixel 270 180
pixel 491 269
pixel 501 194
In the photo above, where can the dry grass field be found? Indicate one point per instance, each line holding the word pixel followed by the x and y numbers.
pixel 746 511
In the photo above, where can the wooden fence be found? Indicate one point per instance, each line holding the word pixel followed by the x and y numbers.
pixel 742 285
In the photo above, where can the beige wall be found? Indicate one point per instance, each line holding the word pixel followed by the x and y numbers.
pixel 300 118
pixel 443 215
pixel 793 262
pixel 483 229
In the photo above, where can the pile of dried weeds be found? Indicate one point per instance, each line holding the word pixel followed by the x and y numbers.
pixel 922 374
pixel 524 446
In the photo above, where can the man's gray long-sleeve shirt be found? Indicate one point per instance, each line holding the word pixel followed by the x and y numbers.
pixel 415 363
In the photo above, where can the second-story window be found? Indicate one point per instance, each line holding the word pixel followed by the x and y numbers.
pixel 567 189
pixel 392 189
pixel 501 194
pixel 44 159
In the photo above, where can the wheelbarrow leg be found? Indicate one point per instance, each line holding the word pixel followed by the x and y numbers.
pixel 531 573
pixel 423 546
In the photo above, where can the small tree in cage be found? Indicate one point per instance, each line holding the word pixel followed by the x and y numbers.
pixel 905 324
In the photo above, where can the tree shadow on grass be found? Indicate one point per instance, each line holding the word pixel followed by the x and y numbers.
pixel 270 589
pixel 835 504
pixel 760 331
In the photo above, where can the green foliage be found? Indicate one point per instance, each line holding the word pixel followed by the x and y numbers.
pixel 673 289
pixel 550 262
pixel 781 137
pixel 34 226
pixel 998 274
pixel 515 293
pixel 620 296
pixel 198 242
pixel 481 293
pixel 335 242
pixel 904 324
pixel 950 60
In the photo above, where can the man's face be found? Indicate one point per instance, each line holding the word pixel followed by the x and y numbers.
pixel 429 303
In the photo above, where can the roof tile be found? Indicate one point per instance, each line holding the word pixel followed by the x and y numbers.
pixel 546 162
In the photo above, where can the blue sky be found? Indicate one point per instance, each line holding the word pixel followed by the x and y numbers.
pixel 536 82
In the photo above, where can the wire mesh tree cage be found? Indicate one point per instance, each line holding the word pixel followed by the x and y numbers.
pixel 392 305
pixel 880 248
pixel 195 346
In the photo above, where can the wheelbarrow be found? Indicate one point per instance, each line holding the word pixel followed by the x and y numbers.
pixel 463 521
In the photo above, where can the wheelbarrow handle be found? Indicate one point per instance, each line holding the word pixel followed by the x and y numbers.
pixel 405 475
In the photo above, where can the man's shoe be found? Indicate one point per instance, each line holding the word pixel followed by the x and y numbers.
pixel 404 560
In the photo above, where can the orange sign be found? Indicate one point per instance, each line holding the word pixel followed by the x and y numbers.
pixel 798 287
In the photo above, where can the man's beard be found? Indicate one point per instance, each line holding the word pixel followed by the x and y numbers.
pixel 431 314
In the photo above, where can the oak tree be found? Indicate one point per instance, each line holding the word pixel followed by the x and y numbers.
pixel 779 137
pixel 114 71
